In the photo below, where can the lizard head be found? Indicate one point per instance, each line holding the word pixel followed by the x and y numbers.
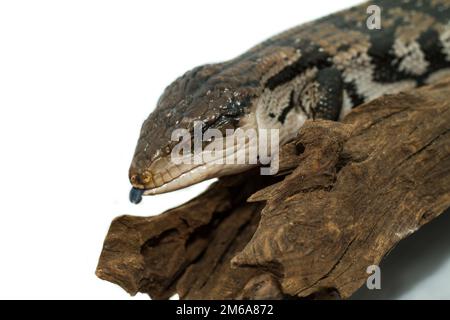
pixel 258 91
pixel 203 95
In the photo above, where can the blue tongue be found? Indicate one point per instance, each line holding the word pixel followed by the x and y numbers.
pixel 136 195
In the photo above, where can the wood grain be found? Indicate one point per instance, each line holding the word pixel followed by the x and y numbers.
pixel 348 193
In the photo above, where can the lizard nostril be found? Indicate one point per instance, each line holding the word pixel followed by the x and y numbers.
pixel 135 179
pixel 140 180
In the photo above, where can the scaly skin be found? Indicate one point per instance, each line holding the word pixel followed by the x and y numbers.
pixel 320 69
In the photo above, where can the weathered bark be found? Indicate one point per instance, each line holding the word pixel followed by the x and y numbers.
pixel 186 250
pixel 350 192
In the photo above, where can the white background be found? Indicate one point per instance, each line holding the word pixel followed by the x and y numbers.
pixel 77 78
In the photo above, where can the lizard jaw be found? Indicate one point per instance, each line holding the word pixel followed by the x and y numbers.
pixel 193 176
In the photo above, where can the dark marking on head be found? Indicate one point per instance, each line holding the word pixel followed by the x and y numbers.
pixel 286 110
pixel 311 56
pixel 233 110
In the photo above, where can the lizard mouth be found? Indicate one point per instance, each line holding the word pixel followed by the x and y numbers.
pixel 165 176
pixel 178 181
pixel 194 175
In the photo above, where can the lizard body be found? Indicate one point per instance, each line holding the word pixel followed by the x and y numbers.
pixel 319 70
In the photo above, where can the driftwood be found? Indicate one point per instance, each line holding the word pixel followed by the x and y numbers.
pixel 349 193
